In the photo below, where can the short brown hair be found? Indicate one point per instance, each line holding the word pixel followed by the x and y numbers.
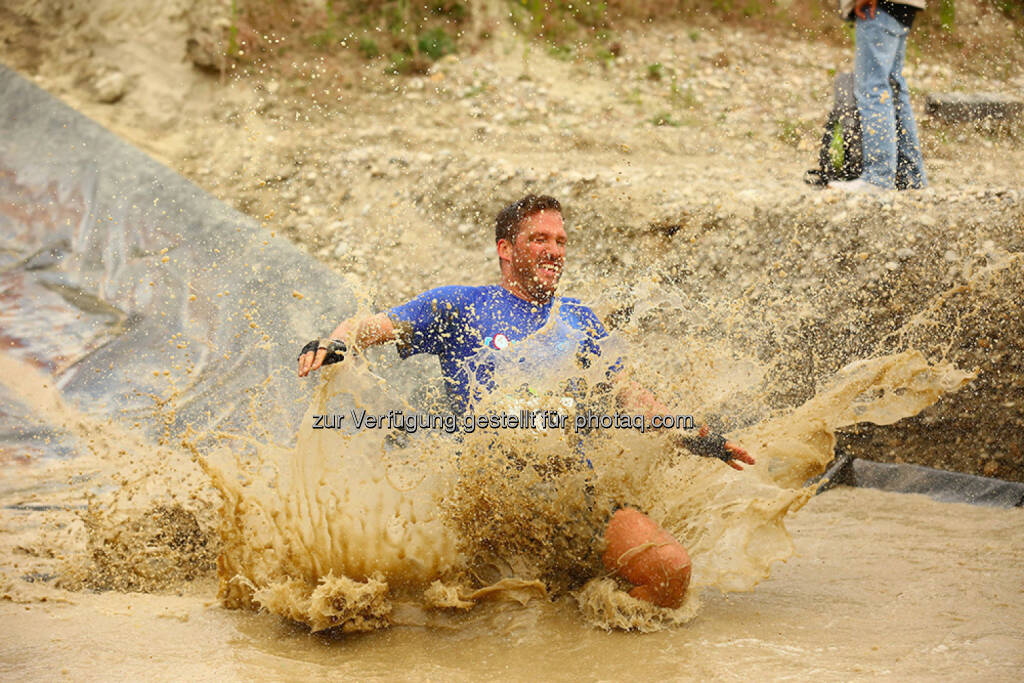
pixel 506 225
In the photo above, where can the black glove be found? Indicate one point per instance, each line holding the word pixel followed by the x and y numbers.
pixel 710 446
pixel 335 350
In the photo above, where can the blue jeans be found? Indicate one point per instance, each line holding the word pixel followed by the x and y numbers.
pixel 892 153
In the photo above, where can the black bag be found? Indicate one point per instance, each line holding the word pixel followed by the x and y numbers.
pixel 840 156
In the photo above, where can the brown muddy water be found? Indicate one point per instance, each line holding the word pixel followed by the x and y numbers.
pixel 882 585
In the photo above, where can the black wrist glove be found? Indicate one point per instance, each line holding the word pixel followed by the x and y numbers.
pixel 335 350
pixel 710 446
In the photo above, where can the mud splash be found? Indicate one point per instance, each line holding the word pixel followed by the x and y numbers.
pixel 337 530
pixel 358 529
pixel 124 514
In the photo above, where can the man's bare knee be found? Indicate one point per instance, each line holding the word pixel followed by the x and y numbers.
pixel 648 557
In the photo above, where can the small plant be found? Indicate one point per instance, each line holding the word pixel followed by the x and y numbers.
pixel 654 71
pixel 557 19
pixel 791 132
pixel 665 119
pixel 368 48
pixel 605 55
pixel 233 30
pixel 562 52
pixel 536 10
pixel 323 40
pixel 400 63
pixel 850 29
pixel 1009 7
pixel 457 11
pixel 435 43
pixel 683 97
pixel 752 8
pixel 947 15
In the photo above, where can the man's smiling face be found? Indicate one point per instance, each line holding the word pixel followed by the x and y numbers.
pixel 535 257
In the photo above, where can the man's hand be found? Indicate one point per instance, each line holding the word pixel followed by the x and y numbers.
pixel 714 446
pixel 871 5
pixel 739 454
pixel 317 353
pixel 361 333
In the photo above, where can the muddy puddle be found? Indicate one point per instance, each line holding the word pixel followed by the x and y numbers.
pixel 882 585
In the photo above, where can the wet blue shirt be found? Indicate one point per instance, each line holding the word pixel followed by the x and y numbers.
pixel 471 329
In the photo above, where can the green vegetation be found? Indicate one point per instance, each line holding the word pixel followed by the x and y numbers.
pixel 368 48
pixel 563 52
pixel 635 98
pixel 947 15
pixel 850 32
pixel 665 119
pixel 606 55
pixel 409 35
pixel 435 43
pixel 557 20
pixel 791 132
pixel 683 97
pixel 233 30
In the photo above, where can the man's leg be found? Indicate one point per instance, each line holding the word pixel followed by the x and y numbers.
pixel 878 40
pixel 909 164
pixel 648 557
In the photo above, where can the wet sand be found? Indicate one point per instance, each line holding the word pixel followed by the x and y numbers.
pixel 883 585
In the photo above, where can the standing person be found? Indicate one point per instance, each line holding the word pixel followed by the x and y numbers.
pixel 892 152
pixel 455 323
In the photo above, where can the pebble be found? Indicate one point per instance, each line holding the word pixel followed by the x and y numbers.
pixel 111 87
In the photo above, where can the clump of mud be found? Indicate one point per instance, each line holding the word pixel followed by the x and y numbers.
pixel 158 549
pixel 515 522
pixel 335 603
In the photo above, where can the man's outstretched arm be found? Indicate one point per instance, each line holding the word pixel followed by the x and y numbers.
pixel 636 397
pixel 356 332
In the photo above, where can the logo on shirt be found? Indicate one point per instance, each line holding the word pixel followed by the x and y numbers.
pixel 498 341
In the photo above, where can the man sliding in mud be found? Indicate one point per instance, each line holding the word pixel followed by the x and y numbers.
pixel 456 323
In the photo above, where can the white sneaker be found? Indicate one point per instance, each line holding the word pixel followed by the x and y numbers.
pixel 856 186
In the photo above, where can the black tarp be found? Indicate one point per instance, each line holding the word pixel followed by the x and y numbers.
pixel 940 485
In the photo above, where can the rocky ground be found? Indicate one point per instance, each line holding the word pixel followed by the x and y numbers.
pixel 679 162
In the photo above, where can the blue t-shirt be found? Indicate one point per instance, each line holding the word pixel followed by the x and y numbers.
pixel 473 329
